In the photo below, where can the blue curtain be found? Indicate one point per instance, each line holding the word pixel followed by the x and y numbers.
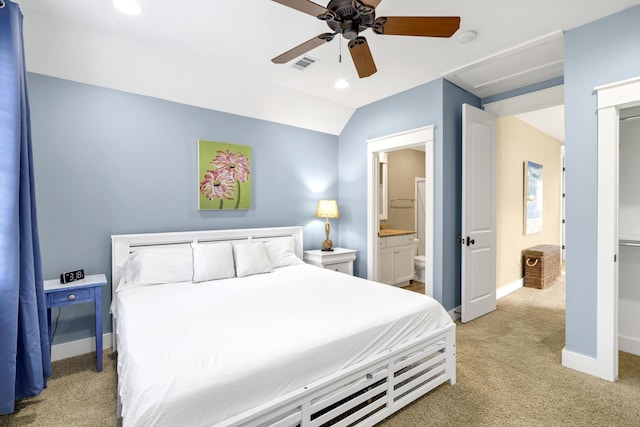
pixel 25 359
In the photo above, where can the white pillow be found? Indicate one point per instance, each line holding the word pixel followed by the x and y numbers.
pixel 282 252
pixel 212 261
pixel 155 266
pixel 251 258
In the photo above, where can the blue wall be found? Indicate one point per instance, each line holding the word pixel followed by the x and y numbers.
pixel 109 162
pixel 601 52
pixel 412 109
pixel 437 103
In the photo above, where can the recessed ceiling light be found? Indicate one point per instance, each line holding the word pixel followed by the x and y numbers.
pixel 130 7
pixel 341 84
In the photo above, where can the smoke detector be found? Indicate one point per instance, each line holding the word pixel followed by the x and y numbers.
pixel 467 37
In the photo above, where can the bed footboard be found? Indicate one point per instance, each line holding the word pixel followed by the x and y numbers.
pixel 365 393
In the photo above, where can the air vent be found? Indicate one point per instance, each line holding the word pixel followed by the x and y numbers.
pixel 304 63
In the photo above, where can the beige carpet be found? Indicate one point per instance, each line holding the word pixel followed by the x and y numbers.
pixel 76 395
pixel 509 374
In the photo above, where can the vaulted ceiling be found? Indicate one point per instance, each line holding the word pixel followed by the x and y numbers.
pixel 217 54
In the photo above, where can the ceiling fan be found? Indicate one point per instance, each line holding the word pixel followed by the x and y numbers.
pixel 351 17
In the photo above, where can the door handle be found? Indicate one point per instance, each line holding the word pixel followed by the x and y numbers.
pixel 470 241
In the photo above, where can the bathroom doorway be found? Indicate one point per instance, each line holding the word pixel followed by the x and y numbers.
pixel 423 138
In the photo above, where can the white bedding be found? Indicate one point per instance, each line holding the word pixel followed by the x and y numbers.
pixel 195 354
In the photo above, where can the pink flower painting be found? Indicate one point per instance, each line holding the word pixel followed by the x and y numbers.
pixel 236 164
pixel 218 184
pixel 225 173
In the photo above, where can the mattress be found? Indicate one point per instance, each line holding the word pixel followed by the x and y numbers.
pixel 196 354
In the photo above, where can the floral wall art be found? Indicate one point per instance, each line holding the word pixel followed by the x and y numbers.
pixel 224 176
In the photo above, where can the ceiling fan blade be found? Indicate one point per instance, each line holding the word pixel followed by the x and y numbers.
pixel 303 48
pixel 304 6
pixel 425 26
pixel 362 58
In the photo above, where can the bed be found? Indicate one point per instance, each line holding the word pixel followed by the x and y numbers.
pixel 231 328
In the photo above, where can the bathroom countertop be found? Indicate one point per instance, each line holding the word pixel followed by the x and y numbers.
pixel 388 232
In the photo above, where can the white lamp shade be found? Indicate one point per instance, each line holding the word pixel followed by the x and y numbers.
pixel 327 209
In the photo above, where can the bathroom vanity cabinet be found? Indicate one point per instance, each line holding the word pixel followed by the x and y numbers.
pixel 395 257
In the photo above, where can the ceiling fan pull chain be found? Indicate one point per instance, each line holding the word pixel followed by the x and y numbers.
pixel 339 55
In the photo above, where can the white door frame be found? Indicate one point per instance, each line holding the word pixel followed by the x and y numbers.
pixel 412 138
pixel 428 233
pixel 563 199
pixel 611 99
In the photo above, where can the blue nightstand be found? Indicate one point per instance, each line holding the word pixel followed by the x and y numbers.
pixel 82 291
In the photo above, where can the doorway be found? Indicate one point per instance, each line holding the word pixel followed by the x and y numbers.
pixel 527 133
pixel 611 99
pixel 423 138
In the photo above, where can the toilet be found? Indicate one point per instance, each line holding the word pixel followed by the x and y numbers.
pixel 418 266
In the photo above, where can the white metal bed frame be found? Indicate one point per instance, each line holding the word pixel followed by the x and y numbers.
pixel 362 394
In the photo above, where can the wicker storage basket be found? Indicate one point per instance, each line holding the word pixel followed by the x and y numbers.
pixel 541 266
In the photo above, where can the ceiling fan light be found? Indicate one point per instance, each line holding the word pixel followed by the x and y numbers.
pixel 130 7
pixel 341 84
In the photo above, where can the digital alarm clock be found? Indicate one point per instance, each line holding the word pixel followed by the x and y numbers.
pixel 72 276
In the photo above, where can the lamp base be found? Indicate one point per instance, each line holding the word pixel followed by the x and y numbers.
pixel 327 245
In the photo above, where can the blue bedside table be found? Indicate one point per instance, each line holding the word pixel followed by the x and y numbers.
pixel 82 291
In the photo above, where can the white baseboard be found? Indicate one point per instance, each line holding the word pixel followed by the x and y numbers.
pixel 629 345
pixel 455 313
pixel 588 365
pixel 78 347
pixel 503 291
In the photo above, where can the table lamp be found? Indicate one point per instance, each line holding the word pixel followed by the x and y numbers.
pixel 327 209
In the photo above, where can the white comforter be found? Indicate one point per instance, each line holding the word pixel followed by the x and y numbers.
pixel 195 354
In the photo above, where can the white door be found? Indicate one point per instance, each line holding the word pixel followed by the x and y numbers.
pixel 403 264
pixel 478 213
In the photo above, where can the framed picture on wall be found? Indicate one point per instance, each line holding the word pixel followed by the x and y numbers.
pixel 224 176
pixel 532 198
